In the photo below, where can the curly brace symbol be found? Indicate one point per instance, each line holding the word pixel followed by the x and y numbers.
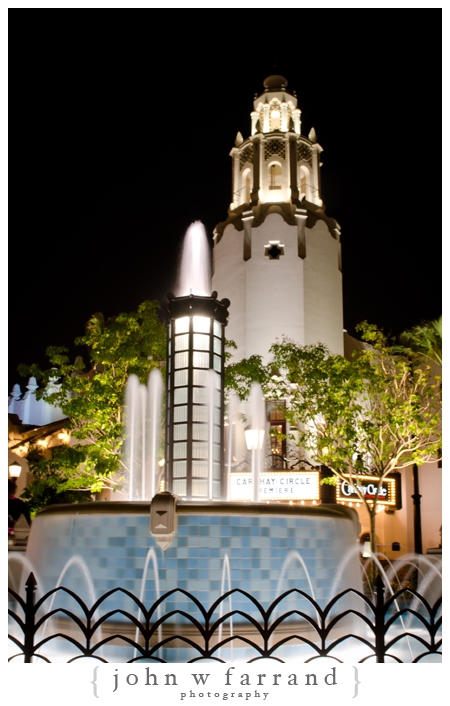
pixel 94 683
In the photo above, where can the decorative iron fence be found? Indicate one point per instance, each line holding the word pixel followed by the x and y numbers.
pixel 401 627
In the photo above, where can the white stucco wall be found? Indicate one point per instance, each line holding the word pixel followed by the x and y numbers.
pixel 274 288
pixel 229 282
pixel 323 290
pixel 293 297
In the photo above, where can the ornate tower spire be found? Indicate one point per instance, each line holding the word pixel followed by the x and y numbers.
pixel 276 164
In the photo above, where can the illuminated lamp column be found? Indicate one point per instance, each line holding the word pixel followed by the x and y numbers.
pixel 316 150
pixel 284 117
pixel 195 345
pixel 266 124
pixel 236 193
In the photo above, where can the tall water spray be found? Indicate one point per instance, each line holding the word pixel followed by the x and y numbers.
pixel 255 434
pixel 142 434
pixel 153 432
pixel 233 406
pixel 195 268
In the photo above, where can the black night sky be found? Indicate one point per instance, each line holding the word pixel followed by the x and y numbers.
pixel 120 129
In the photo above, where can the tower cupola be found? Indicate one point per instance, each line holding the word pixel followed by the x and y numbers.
pixel 276 164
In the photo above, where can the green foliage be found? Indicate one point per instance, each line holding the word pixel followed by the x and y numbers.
pixel 92 399
pixel 239 376
pixel 60 479
pixel 425 339
pixel 374 414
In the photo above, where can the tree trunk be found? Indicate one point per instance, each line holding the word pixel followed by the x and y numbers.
pixel 373 546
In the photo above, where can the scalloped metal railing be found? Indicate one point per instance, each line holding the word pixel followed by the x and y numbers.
pixel 381 625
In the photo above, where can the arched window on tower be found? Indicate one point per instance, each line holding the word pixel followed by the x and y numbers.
pixel 275 116
pixel 275 176
pixel 246 185
pixel 304 183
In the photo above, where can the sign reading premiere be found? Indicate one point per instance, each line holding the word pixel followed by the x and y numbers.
pixel 276 485
pixel 387 494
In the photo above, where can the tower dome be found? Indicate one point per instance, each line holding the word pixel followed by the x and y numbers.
pixel 275 83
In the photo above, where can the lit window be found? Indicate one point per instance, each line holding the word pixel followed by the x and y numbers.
pixel 274 176
pixel 180 450
pixel 199 488
pixel 199 377
pixel 202 324
pixel 248 184
pixel 179 487
pixel 201 360
pixel 180 432
pixel 199 395
pixel 182 325
pixel 200 432
pixel 199 413
pixel 180 414
pixel 181 360
pixel 201 342
pixel 179 469
pixel 181 378
pixel 275 117
pixel 200 469
pixel 180 395
pixel 199 449
pixel 182 342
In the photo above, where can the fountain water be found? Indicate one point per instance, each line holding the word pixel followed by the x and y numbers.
pixel 151 557
pixel 233 404
pixel 195 269
pixel 255 435
pixel 225 585
pixel 142 435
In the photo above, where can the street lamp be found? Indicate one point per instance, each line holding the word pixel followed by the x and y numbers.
pixel 15 469
pixel 254 440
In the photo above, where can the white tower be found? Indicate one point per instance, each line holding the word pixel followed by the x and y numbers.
pixel 277 256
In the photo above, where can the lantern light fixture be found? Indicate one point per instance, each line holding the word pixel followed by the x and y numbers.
pixel 15 469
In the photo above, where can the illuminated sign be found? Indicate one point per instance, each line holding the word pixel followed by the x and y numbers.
pixel 279 485
pixel 386 494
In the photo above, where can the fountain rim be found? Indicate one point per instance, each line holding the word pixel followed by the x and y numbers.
pixel 190 507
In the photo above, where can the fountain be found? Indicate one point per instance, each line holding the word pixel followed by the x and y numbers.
pixel 213 543
pixel 142 435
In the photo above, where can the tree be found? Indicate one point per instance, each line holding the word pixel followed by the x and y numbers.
pixel 240 375
pixel 426 339
pixel 372 415
pixel 92 398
